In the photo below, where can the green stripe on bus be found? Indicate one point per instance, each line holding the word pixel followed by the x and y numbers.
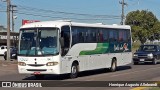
pixel 100 49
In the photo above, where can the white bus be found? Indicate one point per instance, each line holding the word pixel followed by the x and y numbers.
pixel 61 47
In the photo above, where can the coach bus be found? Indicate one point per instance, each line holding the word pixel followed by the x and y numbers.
pixel 66 47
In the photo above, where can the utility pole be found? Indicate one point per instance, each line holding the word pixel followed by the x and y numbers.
pixel 122 15
pixel 8 29
pixel 13 6
pixel 13 17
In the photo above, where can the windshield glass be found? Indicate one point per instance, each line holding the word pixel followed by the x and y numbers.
pixel 148 48
pixel 39 41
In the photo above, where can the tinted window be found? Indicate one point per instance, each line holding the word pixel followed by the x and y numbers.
pixel 98 35
pixel 65 34
pixel 120 35
pixel 105 35
pixel 128 36
pixel 124 35
pixel 85 35
pixel 113 35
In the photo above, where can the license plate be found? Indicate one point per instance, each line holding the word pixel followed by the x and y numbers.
pixel 141 59
pixel 37 73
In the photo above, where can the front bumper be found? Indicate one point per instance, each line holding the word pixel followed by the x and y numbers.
pixel 143 59
pixel 38 70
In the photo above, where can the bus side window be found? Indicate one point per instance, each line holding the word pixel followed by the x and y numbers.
pixel 128 36
pixel 65 38
pixel 120 35
pixel 111 35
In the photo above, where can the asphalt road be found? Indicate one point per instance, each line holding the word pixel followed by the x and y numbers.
pixel 143 72
pixel 1 57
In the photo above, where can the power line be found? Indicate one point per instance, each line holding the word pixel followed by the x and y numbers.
pixel 62 17
pixel 25 10
pixel 44 14
pixel 3 11
pixel 30 10
pixel 60 12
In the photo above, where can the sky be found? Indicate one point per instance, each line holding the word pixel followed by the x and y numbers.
pixel 88 11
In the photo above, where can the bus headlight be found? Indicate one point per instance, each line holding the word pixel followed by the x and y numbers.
pixel 150 55
pixel 22 63
pixel 51 63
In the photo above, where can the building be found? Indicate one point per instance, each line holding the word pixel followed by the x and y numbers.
pixel 3 37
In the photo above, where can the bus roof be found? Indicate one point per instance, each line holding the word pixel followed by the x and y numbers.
pixel 60 23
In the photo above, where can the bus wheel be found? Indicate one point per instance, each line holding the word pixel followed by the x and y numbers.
pixel 39 76
pixel 74 71
pixel 113 65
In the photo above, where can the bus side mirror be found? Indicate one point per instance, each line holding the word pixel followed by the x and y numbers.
pixel 62 42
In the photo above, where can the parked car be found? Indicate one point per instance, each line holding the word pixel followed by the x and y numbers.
pixel 147 53
pixel 3 49
pixel 13 53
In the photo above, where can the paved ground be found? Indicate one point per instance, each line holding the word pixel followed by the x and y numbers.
pixel 1 58
pixel 144 72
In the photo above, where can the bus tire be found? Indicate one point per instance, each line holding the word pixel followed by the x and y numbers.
pixel 74 71
pixel 113 65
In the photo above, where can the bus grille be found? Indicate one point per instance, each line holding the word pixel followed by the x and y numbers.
pixel 36 65
pixel 36 69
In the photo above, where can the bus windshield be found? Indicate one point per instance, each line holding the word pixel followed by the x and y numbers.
pixel 39 41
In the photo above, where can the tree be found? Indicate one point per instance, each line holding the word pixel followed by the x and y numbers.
pixel 156 30
pixel 142 23
pixel 138 33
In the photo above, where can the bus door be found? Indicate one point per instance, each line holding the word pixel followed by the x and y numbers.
pixel 65 36
pixel 65 46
